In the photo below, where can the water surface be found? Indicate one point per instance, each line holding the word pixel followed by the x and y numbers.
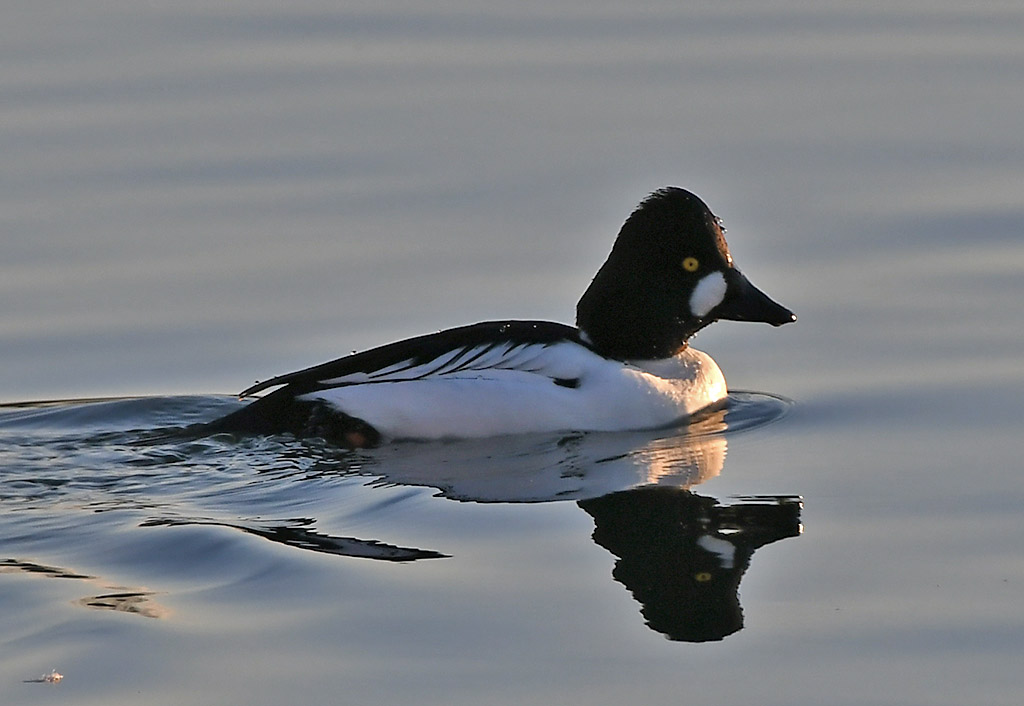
pixel 195 197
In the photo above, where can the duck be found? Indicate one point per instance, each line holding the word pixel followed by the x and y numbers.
pixel 626 365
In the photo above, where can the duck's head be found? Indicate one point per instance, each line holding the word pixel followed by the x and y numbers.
pixel 669 274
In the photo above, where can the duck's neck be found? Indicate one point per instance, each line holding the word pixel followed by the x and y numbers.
pixel 620 324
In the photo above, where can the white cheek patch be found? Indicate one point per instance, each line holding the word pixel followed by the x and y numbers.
pixel 725 550
pixel 708 294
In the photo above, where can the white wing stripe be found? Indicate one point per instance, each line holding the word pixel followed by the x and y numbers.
pixel 462 361
pixel 532 358
pixel 397 367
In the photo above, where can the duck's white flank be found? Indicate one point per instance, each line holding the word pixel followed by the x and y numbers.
pixel 513 389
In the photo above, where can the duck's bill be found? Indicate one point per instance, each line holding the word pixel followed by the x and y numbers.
pixel 745 302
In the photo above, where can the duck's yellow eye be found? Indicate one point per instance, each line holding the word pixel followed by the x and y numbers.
pixel 702 577
pixel 690 264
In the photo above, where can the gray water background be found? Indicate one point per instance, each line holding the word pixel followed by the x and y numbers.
pixel 195 196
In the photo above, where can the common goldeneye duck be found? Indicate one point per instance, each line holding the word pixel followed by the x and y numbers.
pixel 626 366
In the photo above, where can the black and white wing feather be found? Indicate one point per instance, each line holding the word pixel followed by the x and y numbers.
pixel 492 345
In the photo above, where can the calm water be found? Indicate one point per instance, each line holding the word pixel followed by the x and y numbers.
pixel 194 197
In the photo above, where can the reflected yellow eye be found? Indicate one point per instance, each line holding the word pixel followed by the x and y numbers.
pixel 690 264
pixel 702 577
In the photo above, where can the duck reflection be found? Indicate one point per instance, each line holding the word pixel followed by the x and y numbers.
pixel 682 555
pixel 540 468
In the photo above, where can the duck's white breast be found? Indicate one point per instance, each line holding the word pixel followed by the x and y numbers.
pixel 521 395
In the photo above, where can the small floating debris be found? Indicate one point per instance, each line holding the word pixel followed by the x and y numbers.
pixel 54 677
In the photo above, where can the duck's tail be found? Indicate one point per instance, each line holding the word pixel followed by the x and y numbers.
pixel 281 412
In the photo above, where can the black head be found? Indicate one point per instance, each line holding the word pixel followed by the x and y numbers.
pixel 669 274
